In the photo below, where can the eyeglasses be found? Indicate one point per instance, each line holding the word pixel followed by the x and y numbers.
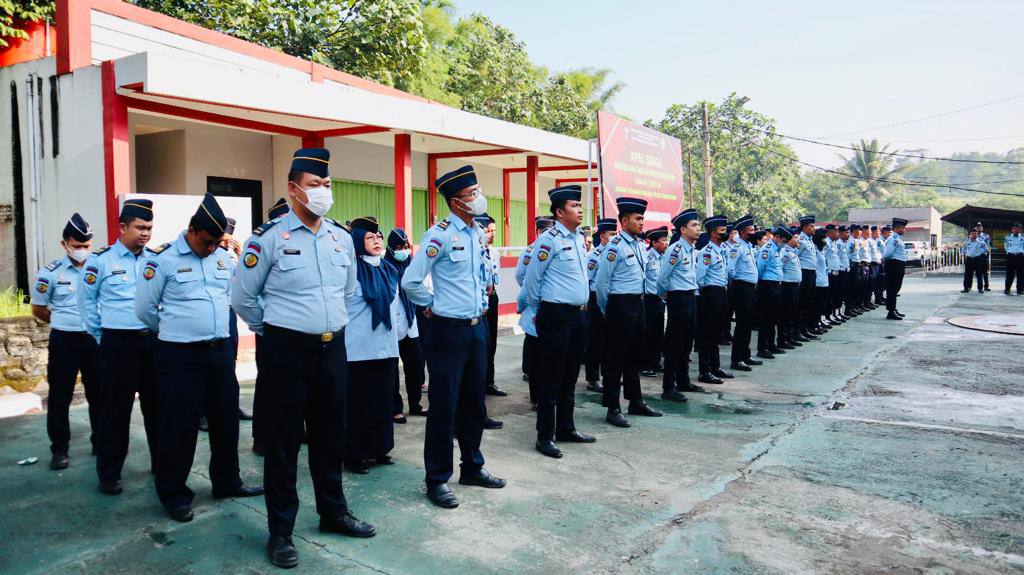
pixel 471 195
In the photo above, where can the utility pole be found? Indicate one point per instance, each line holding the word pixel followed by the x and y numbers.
pixel 689 174
pixel 708 206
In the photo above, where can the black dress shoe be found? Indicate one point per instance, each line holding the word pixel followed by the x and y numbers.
pixel 481 478
pixel 111 487
pixel 385 460
pixel 893 316
pixel 777 351
pixel 526 378
pixel 181 514
pixel 358 466
pixel 764 354
pixel 59 461
pixel 641 408
pixel 204 425
pixel 244 415
pixel 674 395
pixel 442 496
pixel 259 449
pixel 492 424
pixel 418 411
pixel 616 418
pixel 574 437
pixel 240 491
pixel 281 552
pixel 595 386
pixel 493 390
pixel 709 379
pixel 898 312
pixel 799 339
pixel 794 343
pixel 752 361
pixel 549 449
pixel 691 388
pixel 740 366
pixel 722 374
pixel 648 373
pixel 347 524
pixel 400 419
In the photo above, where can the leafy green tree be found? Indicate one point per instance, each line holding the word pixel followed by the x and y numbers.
pixel 870 164
pixel 14 14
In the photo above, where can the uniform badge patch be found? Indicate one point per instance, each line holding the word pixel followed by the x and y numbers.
pixel 707 259
pixel 42 286
pixel 148 273
pixel 431 251
pixel 732 253
pixel 526 260
pixel 542 255
pixel 672 261
pixel 611 256
pixel 764 255
pixel 90 278
pixel 592 266
pixel 250 260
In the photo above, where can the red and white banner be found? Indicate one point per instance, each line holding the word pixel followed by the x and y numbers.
pixel 639 162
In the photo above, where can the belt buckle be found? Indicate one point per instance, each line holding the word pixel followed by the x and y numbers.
pixel 326 337
pixel 474 321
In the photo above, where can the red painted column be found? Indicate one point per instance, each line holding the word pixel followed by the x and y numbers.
pixel 531 197
pixel 312 141
pixel 116 157
pixel 74 35
pixel 596 212
pixel 403 183
pixel 431 190
pixel 506 207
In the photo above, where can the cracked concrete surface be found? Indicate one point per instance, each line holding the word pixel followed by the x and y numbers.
pixel 920 472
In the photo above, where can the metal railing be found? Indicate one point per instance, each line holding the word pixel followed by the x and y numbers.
pixel 947 260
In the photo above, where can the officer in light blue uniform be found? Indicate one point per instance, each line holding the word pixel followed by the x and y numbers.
pixel 878 269
pixel 526 315
pixel 621 283
pixel 487 224
pixel 654 306
pixel 296 272
pixel 677 283
pixel 808 265
pixel 1013 243
pixel 712 277
pixel 843 251
pixel 455 346
pixel 833 266
pixel 742 291
pixel 184 297
pixel 106 302
pixel 988 241
pixel 769 296
pixel 606 229
pixel 789 308
pixel 821 279
pixel 71 349
pixel 556 285
pixel 894 258
pixel 975 252
pixel 541 224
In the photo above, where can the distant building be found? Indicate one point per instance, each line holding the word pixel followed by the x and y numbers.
pixel 925 223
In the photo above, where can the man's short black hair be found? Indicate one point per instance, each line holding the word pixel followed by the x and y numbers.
pixel 557 205
pixel 295 175
pixel 125 219
pixel 193 223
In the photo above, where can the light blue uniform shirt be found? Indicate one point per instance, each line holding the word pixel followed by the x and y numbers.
pixel 879 245
pixel 843 251
pixel 791 265
pixel 593 261
pixel 975 248
pixel 854 249
pixel 727 247
pixel 832 263
pixel 362 341
pixel 57 287
pixel 106 296
pixel 524 261
pixel 806 251
pixel 769 263
pixel 183 297
pixel 863 252
pixel 623 269
pixel 711 266
pixel 678 269
pixel 294 278
pixel 820 273
pixel 985 238
pixel 1014 244
pixel 454 255
pixel 651 271
pixel 742 266
pixel 494 262
pixel 894 248
pixel 558 273
pixel 874 255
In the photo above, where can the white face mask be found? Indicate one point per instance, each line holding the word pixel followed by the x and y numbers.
pixel 79 255
pixel 401 255
pixel 372 260
pixel 320 199
pixel 478 205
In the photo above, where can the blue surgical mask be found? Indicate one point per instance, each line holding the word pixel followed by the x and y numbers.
pixel 401 255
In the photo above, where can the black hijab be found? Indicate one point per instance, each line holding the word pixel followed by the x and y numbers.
pixel 377 282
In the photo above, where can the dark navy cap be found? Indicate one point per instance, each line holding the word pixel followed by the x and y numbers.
pixel 607 225
pixel 278 209
pixel 631 205
pixel 542 223
pixel 585 229
pixel 136 208
pixel 570 192
pixel 484 220
pixel 455 181
pixel 783 232
pixel 854 227
pixel 794 230
pixel 808 219
pixel 314 161
pixel 1016 225
pixel 747 220
pixel 77 229
pixel 829 227
pixel 714 222
pixel 397 238
pixel 368 223
pixel 874 228
pixel 819 233
pixel 896 222
pixel 683 217
pixel 657 233
pixel 887 228
pixel 210 217
pixel 843 228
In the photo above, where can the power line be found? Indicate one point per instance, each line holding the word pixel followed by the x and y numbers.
pixel 1016 97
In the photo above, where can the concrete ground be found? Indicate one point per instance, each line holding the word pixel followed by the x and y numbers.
pixel 920 471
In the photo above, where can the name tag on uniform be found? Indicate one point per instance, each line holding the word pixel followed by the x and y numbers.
pixel 184 270
pixel 292 252
pixel 457 248
pixel 117 271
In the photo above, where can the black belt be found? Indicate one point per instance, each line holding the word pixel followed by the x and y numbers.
pixel 325 337
pixel 205 344
pixel 748 284
pixel 456 321
pixel 626 295
pixel 563 306
pixel 135 332
pixel 770 282
pixel 682 291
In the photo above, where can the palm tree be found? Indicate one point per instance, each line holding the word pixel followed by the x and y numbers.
pixel 872 167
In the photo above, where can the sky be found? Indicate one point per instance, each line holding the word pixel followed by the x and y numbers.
pixel 822 69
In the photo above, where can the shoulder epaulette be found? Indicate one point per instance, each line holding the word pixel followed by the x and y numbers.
pixel 53 265
pixel 339 224
pixel 616 239
pixel 159 248
pixel 100 251
pixel 443 224
pixel 265 226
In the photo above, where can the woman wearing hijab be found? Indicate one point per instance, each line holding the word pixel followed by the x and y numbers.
pixel 398 255
pixel 372 343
